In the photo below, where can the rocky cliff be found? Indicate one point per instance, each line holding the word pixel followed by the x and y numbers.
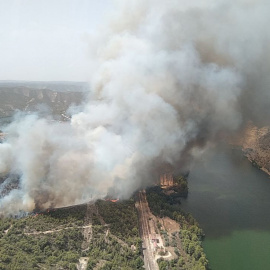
pixel 255 143
pixel 53 97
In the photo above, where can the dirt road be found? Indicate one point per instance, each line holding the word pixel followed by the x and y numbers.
pixel 59 230
pixel 144 216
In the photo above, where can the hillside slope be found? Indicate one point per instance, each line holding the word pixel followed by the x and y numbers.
pixel 255 143
pixel 29 97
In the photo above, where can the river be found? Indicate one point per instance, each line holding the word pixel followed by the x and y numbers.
pixel 231 200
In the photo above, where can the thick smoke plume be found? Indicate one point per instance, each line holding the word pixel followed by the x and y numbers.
pixel 170 78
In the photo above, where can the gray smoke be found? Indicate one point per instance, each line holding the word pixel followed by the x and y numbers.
pixel 171 78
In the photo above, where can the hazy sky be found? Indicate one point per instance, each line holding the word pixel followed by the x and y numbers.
pixel 48 39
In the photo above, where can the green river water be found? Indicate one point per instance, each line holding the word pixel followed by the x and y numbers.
pixel 231 200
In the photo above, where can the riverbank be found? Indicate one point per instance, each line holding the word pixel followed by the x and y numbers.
pixel 255 144
pixel 180 232
pixel 230 199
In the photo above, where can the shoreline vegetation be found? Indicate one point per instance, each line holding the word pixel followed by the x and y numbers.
pixel 255 164
pixel 186 243
pixel 246 152
pixel 254 142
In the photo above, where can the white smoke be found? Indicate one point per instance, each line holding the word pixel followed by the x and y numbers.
pixel 170 77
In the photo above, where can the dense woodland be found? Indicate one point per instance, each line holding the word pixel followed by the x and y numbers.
pixel 24 246
pixel 53 240
pixel 121 249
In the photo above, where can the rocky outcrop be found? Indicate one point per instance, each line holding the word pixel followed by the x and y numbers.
pixel 255 143
pixel 166 179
